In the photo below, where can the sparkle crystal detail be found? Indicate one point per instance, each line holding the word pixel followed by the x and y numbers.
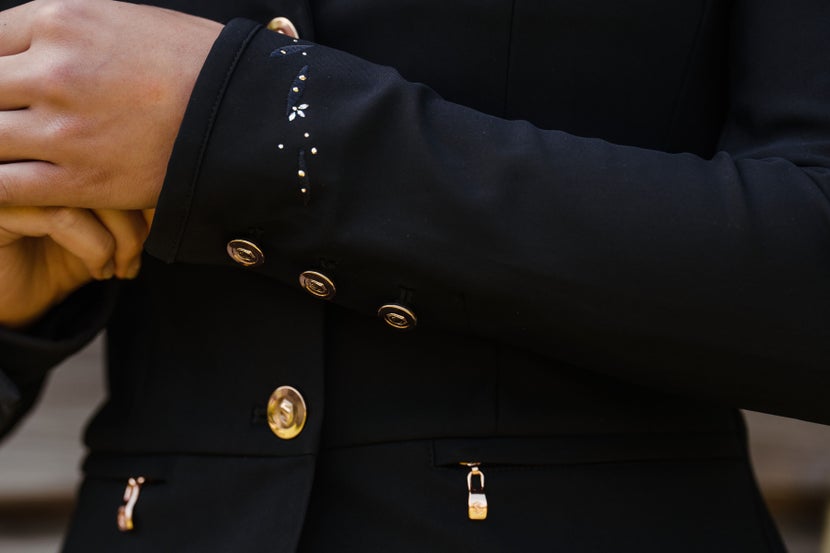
pixel 297 110
pixel 291 49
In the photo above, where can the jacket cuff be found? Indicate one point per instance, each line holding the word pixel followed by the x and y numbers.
pixel 280 139
pixel 226 147
pixel 183 171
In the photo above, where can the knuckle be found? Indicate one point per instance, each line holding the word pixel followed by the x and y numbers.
pixel 63 129
pixel 57 78
pixel 129 241
pixel 63 218
pixel 106 247
pixel 60 24
pixel 57 16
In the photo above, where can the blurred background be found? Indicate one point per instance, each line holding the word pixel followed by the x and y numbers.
pixel 39 466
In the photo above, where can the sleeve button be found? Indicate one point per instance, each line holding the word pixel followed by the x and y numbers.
pixel 318 285
pixel 397 316
pixel 284 26
pixel 245 253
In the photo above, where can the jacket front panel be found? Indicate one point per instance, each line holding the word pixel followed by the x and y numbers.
pixel 489 57
pixel 643 72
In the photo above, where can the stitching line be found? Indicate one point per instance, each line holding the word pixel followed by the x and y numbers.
pixel 687 70
pixel 206 138
pixel 509 53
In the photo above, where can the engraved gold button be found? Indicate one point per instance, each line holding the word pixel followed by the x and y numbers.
pixel 284 26
pixel 245 253
pixel 286 412
pixel 397 316
pixel 318 284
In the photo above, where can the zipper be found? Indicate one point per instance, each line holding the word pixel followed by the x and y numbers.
pixel 125 511
pixel 476 499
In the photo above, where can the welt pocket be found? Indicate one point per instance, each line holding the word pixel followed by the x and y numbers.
pixel 542 451
pixel 125 478
pixel 153 468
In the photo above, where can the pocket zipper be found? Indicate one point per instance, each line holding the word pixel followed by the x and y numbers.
pixel 476 500
pixel 125 511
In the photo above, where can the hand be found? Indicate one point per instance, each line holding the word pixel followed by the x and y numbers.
pixel 46 253
pixel 92 94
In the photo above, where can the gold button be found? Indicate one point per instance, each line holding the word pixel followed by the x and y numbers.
pixel 284 26
pixel 397 316
pixel 245 253
pixel 286 412
pixel 318 284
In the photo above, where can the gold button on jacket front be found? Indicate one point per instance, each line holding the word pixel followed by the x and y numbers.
pixel 286 412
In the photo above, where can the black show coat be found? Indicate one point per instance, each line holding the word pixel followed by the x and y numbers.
pixel 610 219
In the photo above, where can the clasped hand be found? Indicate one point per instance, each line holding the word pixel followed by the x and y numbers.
pixel 92 94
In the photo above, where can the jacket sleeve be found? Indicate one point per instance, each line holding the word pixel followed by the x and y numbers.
pixel 709 277
pixel 26 356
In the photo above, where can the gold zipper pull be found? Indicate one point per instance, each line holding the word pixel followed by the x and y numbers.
pixel 476 500
pixel 125 511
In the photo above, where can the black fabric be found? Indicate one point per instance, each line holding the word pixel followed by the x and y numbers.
pixel 193 504
pixel 215 344
pixel 28 354
pixel 670 270
pixel 413 504
pixel 610 219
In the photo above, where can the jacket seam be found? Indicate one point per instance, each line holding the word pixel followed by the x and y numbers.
pixel 687 70
pixel 506 104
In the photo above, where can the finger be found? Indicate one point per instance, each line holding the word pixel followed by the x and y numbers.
pixel 76 230
pixel 18 81
pixel 20 137
pixel 82 234
pixel 36 183
pixel 129 230
pixel 149 214
pixel 16 29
